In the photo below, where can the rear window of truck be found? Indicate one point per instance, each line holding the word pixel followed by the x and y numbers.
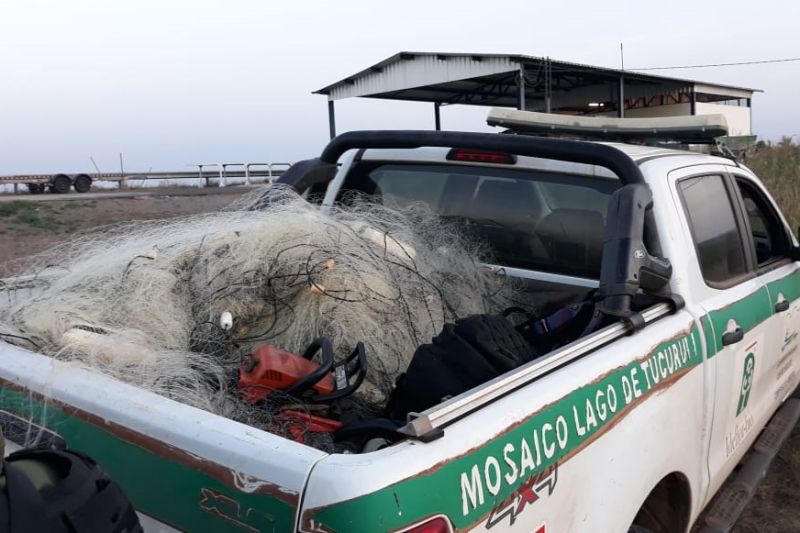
pixel 527 219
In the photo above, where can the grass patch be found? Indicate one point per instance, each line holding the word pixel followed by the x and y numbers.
pixel 15 208
pixel 28 218
pixel 36 220
pixel 29 214
pixel 78 205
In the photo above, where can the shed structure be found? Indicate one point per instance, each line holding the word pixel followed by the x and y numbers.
pixel 539 84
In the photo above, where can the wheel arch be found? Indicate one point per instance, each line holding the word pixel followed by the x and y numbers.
pixel 667 508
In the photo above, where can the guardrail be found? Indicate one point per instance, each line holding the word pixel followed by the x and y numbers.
pixel 270 172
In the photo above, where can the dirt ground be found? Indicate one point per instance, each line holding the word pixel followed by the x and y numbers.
pixel 27 228
pixel 774 507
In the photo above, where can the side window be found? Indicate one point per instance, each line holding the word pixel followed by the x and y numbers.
pixel 714 228
pixel 769 238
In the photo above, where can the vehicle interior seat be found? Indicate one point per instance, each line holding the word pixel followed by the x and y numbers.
pixel 506 212
pixel 573 239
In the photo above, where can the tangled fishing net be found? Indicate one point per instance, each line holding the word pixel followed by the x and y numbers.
pixel 174 305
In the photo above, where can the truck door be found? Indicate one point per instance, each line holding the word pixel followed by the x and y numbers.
pixel 770 241
pixel 737 308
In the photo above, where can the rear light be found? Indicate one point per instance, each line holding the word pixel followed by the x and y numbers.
pixel 481 156
pixel 437 524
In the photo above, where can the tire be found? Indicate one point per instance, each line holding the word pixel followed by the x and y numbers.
pixel 60 184
pixel 82 183
pixel 36 188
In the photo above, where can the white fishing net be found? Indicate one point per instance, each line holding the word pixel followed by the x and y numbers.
pixel 174 305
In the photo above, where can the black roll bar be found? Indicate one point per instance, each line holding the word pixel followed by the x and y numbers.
pixel 560 149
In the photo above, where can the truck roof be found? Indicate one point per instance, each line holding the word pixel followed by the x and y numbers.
pixel 640 154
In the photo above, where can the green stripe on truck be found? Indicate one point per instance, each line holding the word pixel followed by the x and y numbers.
pixel 159 486
pixel 468 487
pixel 789 286
pixel 748 312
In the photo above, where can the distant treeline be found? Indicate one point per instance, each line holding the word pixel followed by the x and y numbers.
pixel 778 166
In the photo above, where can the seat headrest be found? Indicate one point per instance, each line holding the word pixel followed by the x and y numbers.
pixel 574 238
pixel 504 200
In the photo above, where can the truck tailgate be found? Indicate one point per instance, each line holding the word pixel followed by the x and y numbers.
pixel 183 466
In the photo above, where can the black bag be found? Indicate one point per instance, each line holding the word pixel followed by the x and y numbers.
pixel 55 491
pixel 465 354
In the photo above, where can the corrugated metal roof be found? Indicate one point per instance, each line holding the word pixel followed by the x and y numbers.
pixel 398 73
pixel 420 70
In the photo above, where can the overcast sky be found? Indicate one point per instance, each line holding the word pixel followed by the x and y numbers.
pixel 170 82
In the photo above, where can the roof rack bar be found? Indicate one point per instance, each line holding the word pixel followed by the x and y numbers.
pixel 696 129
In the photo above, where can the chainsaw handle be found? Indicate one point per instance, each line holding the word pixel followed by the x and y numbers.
pixel 324 369
pixel 358 361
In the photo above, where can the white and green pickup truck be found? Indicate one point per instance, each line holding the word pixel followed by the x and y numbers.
pixel 634 425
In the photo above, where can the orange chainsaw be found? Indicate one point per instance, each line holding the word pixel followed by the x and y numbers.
pixel 270 369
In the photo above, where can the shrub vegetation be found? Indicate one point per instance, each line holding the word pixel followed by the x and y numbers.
pixel 778 166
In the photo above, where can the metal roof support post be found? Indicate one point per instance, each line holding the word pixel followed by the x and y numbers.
pixel 521 85
pixel 437 116
pixel 621 103
pixel 547 89
pixel 331 119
